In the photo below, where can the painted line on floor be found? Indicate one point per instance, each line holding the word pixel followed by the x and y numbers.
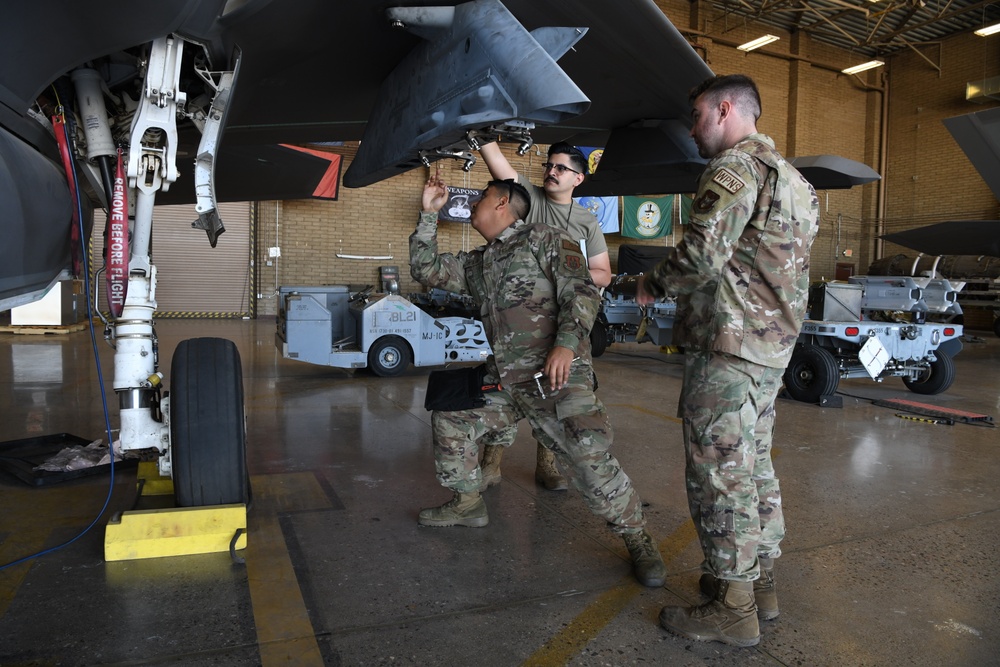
pixel 568 643
pixel 285 634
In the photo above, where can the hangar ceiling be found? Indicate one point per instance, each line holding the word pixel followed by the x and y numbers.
pixel 869 27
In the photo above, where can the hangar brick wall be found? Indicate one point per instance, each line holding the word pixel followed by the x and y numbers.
pixel 810 108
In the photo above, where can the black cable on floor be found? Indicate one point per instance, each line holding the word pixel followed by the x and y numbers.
pixel 100 376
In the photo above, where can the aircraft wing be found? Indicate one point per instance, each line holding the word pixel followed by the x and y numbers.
pixel 953 237
pixel 978 135
pixel 630 176
pixel 314 71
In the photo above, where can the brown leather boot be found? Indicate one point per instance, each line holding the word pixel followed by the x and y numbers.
pixel 730 618
pixel 546 472
pixel 764 593
pixel 491 465
pixel 647 563
pixel 464 509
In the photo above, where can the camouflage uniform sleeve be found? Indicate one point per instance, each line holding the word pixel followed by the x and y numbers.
pixel 726 198
pixel 429 268
pixel 578 297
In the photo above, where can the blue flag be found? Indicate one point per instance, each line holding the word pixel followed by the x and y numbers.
pixel 605 209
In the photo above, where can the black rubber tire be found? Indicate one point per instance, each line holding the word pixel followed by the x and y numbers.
pixel 598 338
pixel 811 373
pixel 937 379
pixel 208 424
pixel 389 356
pixel 996 326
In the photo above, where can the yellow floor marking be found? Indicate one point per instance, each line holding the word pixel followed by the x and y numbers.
pixel 285 635
pixel 589 623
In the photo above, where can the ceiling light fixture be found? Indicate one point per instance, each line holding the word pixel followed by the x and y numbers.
pixel 988 30
pixel 757 43
pixel 871 64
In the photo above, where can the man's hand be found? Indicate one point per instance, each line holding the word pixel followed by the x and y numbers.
pixel 435 193
pixel 557 366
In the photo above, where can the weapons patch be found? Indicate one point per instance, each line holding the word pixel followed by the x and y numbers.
pixel 728 180
pixel 706 202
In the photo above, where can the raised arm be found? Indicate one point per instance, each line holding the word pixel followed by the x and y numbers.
pixel 498 165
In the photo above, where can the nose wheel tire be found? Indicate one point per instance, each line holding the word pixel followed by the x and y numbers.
pixel 207 424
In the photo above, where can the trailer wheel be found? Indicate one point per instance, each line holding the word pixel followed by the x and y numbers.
pixel 811 373
pixel 936 379
pixel 389 356
pixel 598 338
pixel 207 424
pixel 996 326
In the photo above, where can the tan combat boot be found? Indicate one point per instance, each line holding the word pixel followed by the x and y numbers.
pixel 491 465
pixel 730 618
pixel 546 472
pixel 465 509
pixel 647 564
pixel 764 593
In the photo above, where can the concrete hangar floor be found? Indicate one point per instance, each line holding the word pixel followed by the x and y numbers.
pixel 890 559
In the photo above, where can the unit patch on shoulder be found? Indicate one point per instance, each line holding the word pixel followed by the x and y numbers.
pixel 571 256
pixel 573 262
pixel 728 180
pixel 706 202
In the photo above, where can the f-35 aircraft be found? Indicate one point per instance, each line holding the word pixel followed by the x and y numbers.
pixel 119 105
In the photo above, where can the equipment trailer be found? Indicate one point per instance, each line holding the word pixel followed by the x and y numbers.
pixel 875 326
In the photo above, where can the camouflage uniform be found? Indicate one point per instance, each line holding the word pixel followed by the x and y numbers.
pixel 741 274
pixel 576 222
pixel 534 292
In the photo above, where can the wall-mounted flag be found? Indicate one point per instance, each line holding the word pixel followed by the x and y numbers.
pixel 647 217
pixel 605 209
pixel 593 155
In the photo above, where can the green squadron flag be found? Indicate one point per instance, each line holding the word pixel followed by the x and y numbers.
pixel 647 217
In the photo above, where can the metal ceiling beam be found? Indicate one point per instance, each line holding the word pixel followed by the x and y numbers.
pixel 942 17
pixel 899 26
pixel 833 25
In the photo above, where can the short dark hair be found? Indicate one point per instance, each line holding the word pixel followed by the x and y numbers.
pixel 576 157
pixel 739 88
pixel 517 196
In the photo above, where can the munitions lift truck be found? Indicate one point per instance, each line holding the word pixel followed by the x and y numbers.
pixel 344 327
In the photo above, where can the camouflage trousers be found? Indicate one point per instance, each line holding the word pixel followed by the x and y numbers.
pixel 727 406
pixel 577 431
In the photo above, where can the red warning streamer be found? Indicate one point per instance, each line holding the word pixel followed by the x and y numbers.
pixel 116 259
pixel 59 126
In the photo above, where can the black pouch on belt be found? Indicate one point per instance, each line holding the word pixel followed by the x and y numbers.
pixel 457 388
